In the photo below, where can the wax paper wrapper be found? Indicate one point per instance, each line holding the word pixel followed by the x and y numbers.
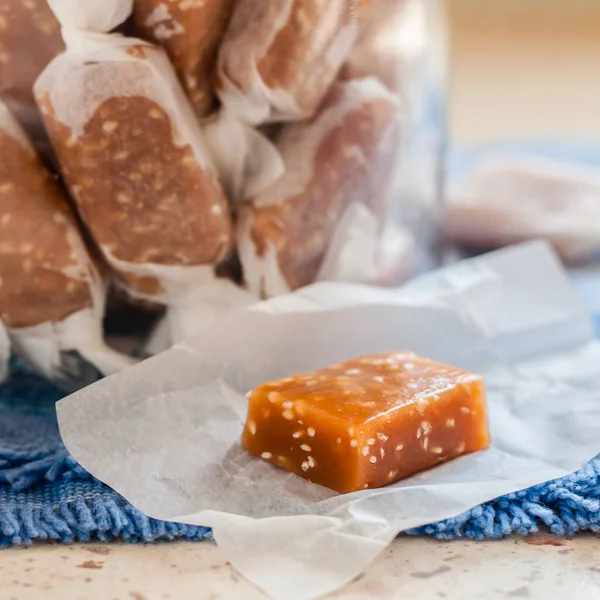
pixel 165 434
pixel 508 199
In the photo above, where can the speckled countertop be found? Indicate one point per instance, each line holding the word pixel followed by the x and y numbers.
pixel 539 567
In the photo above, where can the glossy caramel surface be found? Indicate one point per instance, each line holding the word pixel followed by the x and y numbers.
pixel 367 422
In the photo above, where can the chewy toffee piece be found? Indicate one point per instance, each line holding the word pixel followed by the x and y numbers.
pixel 367 422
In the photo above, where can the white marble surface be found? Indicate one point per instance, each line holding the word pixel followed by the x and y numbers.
pixel 539 567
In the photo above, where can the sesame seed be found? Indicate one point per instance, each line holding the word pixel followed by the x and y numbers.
pixel 305 466
pixel 339 441
pixel 437 450
pixel 109 126
pixel 392 474
pixel 274 397
pixel 409 366
pixel 382 437
pixel 353 443
pixel 450 423
pixel 426 425
pixel 365 450
pixel 465 410
pixel 311 432
pixel 460 448
pixel 365 486
pixel 352 371
pixel 419 433
pixel 306 447
pixel 266 455
pixel 252 427
pixel 216 209
pixel 297 434
pixel 399 447
pixel 371 441
pixel 425 443
pixel 382 452
pixel 300 422
pixel 288 405
pixel 288 380
pixel 288 414
pixel 378 379
pixel 351 432
pixel 311 462
pixel 373 460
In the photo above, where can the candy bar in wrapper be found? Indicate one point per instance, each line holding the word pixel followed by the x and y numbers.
pixel 190 31
pixel 344 155
pixel 510 200
pixel 51 295
pixel 279 58
pixel 29 39
pixel 132 154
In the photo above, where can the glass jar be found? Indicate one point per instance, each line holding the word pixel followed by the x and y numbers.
pixel 407 48
pixel 218 152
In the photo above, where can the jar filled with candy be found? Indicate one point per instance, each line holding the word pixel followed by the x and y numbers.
pixel 196 156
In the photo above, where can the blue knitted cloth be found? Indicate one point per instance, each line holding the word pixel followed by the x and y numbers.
pixel 46 495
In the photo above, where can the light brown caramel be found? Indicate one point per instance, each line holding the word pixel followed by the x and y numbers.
pixel 367 422
pixel 45 270
pixel 190 31
pixel 143 198
pixel 350 164
pixel 29 39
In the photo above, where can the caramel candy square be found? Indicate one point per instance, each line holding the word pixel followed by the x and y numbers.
pixel 368 422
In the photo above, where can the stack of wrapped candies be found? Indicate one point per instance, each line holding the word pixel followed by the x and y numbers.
pixel 196 156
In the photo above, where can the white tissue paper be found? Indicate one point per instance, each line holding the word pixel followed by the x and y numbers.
pixel 506 200
pixel 165 434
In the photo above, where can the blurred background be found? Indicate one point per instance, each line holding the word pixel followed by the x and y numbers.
pixel 524 69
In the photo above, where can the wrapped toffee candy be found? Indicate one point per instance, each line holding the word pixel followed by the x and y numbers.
pixel 507 200
pixel 344 156
pixel 190 31
pixel 133 156
pixel 51 295
pixel 279 58
pixel 29 39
